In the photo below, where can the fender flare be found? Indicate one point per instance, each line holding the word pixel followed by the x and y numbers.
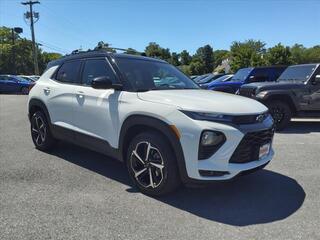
pixel 34 102
pixel 158 125
pixel 281 95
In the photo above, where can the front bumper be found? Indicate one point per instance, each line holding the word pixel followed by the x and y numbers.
pixel 220 161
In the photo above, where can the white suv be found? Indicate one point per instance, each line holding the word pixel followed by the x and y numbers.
pixel 148 114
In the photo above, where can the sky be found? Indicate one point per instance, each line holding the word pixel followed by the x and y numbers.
pixel 66 25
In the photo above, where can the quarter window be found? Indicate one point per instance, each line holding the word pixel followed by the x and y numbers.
pixel 69 72
pixel 97 68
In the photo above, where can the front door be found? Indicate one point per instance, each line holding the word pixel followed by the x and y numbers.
pixel 96 112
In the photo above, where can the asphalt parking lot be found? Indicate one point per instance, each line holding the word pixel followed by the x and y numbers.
pixel 73 193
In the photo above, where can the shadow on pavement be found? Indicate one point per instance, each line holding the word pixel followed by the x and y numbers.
pixel 261 197
pixel 302 127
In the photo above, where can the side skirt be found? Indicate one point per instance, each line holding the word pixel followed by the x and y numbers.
pixel 86 141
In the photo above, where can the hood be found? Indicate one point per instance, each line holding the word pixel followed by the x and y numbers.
pixel 262 86
pixel 204 101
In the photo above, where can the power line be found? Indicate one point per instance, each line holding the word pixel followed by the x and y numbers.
pixel 33 15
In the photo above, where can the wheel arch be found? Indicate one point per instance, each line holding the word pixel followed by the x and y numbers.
pixel 136 124
pixel 282 98
pixel 35 105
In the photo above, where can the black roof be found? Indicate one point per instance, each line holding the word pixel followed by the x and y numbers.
pixel 99 53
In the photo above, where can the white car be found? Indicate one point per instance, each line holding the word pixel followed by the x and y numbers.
pixel 167 134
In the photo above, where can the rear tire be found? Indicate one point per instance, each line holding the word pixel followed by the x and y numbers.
pixel 152 165
pixel 281 114
pixel 40 132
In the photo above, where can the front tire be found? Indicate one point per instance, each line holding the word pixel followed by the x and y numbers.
pixel 152 165
pixel 281 113
pixel 40 132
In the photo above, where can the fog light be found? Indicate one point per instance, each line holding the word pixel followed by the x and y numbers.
pixel 210 138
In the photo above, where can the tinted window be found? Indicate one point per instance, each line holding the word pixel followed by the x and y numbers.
pixel 241 75
pixel 97 68
pixel 298 73
pixel 69 72
pixel 259 75
pixel 147 75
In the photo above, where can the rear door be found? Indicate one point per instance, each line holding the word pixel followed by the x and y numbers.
pixel 96 110
pixel 59 93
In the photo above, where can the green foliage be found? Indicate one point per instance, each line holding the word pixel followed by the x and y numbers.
pixel 246 54
pixel 185 57
pixel 23 54
pixel 279 55
pixel 174 59
pixel 205 60
pixel 219 56
pixel 104 46
pixel 205 54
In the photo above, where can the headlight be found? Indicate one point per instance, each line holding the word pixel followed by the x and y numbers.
pixel 208 116
pixel 261 94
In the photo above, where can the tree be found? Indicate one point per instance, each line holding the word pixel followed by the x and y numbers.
pixel 279 55
pixel 298 52
pixel 174 59
pixel 104 46
pixel 247 54
pixel 23 54
pixel 205 54
pixel 185 57
pixel 313 54
pixel 219 56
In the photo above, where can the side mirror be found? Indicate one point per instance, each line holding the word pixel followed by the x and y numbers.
pixel 252 79
pixel 104 82
pixel 317 79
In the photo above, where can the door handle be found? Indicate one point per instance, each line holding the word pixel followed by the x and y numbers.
pixel 80 94
pixel 46 90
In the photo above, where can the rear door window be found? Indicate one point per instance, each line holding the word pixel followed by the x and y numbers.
pixel 69 72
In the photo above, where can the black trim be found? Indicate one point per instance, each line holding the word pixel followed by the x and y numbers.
pixel 84 140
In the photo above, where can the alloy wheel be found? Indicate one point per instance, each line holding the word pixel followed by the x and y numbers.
pixel 39 130
pixel 147 165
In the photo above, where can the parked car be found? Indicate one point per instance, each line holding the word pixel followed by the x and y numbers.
pixel 223 78
pixel 209 78
pixel 194 76
pixel 32 78
pixel 14 84
pixel 295 94
pixel 248 75
pixel 165 133
pixel 198 78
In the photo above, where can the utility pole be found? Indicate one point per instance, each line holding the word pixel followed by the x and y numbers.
pixel 33 15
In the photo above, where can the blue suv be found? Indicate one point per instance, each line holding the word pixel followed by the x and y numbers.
pixel 247 75
pixel 14 84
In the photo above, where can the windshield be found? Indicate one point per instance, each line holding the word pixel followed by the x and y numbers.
pixel 153 75
pixel 241 75
pixel 223 78
pixel 197 79
pixel 297 73
pixel 206 79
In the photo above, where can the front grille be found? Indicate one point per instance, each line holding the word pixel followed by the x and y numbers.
pixel 247 92
pixel 249 146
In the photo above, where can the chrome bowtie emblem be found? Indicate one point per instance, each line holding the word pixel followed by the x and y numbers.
pixel 260 118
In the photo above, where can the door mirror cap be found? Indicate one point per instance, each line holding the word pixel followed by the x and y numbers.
pixel 104 82
pixel 317 79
